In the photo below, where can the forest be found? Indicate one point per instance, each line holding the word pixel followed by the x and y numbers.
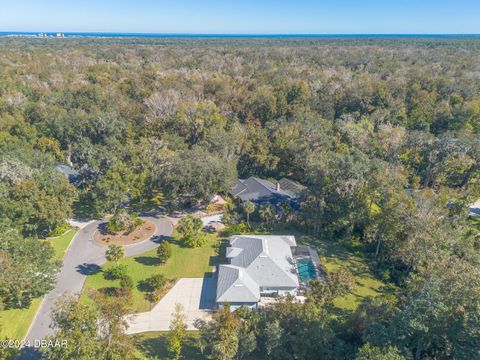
pixel 383 132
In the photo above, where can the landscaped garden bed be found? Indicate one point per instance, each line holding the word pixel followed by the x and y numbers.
pixel 124 229
pixel 141 233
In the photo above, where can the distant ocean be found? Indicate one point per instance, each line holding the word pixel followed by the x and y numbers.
pixel 151 35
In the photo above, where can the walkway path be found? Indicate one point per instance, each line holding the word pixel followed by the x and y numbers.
pixel 83 257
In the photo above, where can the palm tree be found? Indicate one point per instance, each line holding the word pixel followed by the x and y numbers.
pixel 249 208
pixel 267 213
pixel 114 253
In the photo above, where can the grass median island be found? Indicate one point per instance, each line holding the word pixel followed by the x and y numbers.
pixel 184 263
pixel 15 322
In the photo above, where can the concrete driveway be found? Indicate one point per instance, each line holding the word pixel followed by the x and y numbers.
pixel 83 257
pixel 207 220
pixel 197 295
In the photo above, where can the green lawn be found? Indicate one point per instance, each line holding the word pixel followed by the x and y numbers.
pixel 14 323
pixel 334 256
pixel 60 244
pixel 184 263
pixel 153 345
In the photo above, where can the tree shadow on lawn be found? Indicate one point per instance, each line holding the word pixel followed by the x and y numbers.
pixel 88 269
pixel 343 253
pixel 147 260
pixel 219 257
pixel 175 241
pixel 144 287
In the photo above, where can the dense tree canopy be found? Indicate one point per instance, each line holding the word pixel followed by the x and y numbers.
pixel 383 132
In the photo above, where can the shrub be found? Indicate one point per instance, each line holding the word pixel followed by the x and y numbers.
pixel 116 272
pixel 195 240
pixel 114 253
pixel 236 229
pixel 215 208
pixel 122 221
pixel 59 230
pixel 164 252
pixel 126 282
pixel 155 282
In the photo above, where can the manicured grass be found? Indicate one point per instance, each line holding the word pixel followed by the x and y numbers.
pixel 15 322
pixel 184 263
pixel 335 256
pixel 60 244
pixel 153 345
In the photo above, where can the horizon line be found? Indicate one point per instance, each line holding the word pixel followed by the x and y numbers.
pixel 133 33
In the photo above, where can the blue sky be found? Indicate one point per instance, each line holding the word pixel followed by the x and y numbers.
pixel 244 17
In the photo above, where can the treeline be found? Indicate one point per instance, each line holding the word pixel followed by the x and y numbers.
pixel 383 132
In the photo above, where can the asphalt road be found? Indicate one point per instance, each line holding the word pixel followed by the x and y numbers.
pixel 83 257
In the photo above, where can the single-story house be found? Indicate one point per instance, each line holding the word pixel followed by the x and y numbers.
pixel 262 191
pixel 258 265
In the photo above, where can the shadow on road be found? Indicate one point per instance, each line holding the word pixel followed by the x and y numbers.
pixel 159 238
pixel 88 269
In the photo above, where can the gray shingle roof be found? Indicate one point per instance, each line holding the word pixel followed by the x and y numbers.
pixel 291 187
pixel 235 285
pixel 238 188
pixel 265 260
pixel 255 189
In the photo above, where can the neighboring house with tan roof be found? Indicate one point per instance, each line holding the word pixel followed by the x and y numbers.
pixel 259 265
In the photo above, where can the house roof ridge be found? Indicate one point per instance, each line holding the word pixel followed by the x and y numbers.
pixel 262 183
pixel 244 278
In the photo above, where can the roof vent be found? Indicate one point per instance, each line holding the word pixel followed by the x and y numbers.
pixel 278 186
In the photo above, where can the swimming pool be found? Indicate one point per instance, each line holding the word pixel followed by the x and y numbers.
pixel 306 269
